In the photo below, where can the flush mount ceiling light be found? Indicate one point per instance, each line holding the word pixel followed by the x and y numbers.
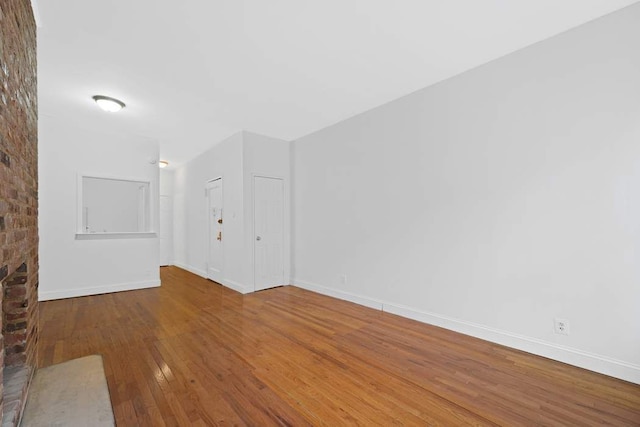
pixel 163 164
pixel 108 104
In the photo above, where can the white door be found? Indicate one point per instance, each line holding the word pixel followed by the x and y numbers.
pixel 268 225
pixel 215 235
pixel 166 230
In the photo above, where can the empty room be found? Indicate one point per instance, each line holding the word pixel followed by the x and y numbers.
pixel 295 213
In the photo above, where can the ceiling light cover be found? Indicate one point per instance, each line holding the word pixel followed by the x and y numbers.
pixel 163 164
pixel 108 104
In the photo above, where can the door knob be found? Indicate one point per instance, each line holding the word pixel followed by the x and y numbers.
pixel 258 238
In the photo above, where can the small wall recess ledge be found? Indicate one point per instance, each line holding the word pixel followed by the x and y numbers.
pixel 104 236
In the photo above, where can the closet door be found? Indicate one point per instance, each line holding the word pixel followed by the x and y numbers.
pixel 268 226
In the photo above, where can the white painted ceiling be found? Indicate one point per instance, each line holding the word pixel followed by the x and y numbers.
pixel 193 72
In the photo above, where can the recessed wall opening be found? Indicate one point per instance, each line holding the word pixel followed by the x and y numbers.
pixel 111 205
pixel 16 329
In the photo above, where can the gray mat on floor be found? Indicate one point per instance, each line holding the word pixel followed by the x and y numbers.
pixel 72 393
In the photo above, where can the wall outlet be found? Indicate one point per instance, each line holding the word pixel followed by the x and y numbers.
pixel 561 326
pixel 343 279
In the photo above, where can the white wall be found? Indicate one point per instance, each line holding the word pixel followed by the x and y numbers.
pixel 70 267
pixel 190 220
pixel 166 182
pixel 237 160
pixel 493 202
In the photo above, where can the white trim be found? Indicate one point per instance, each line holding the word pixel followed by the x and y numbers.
pixel 236 286
pixel 358 299
pixel 190 269
pixel 36 13
pixel 168 234
pixel 128 235
pixel 231 284
pixel 82 292
pixel 573 356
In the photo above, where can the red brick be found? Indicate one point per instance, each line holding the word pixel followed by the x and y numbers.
pixel 14 292
pixel 13 339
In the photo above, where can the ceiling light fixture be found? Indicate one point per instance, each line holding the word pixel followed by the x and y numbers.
pixel 108 104
pixel 163 164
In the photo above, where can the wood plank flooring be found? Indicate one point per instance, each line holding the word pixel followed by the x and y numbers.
pixel 195 353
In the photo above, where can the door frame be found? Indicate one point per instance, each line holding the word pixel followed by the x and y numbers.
pixel 286 191
pixel 209 228
pixel 160 232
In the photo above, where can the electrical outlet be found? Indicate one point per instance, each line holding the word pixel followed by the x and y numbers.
pixel 343 279
pixel 561 326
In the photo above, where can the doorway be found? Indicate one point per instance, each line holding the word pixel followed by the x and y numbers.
pixel 268 226
pixel 166 231
pixel 215 230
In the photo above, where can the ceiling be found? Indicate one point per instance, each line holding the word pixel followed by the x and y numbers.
pixel 196 71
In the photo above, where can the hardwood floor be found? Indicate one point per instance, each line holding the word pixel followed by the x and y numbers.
pixel 195 353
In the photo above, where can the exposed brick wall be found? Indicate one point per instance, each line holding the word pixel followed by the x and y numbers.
pixel 18 185
pixel 15 306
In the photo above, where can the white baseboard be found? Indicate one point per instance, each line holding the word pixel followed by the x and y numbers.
pixel 572 356
pixel 231 284
pixel 191 269
pixel 83 292
pixel 367 302
pixel 239 287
